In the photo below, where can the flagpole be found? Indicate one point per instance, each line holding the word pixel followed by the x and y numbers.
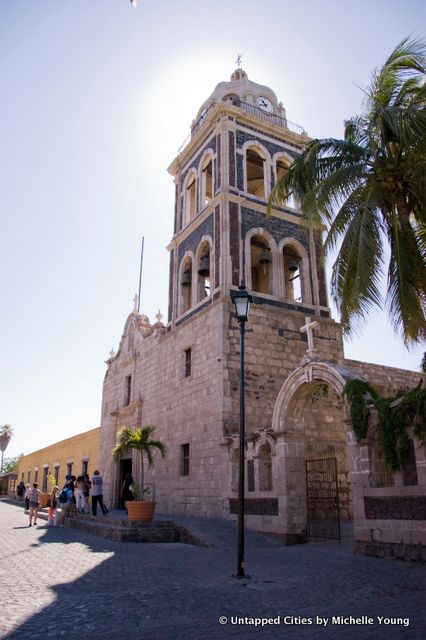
pixel 140 277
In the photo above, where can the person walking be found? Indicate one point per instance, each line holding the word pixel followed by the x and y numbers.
pixel 97 493
pixel 20 490
pixel 27 497
pixel 34 502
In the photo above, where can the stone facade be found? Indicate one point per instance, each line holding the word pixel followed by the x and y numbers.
pixel 183 377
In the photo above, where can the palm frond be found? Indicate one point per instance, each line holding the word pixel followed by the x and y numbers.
pixel 357 271
pixel 406 295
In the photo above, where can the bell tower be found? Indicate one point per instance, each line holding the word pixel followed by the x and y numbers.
pixel 184 377
pixel 240 144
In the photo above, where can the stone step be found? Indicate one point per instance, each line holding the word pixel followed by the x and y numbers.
pixel 125 531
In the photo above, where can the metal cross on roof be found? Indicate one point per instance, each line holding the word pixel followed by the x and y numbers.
pixel 238 60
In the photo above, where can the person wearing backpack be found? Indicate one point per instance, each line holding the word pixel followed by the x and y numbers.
pixel 34 502
pixel 20 490
pixel 66 500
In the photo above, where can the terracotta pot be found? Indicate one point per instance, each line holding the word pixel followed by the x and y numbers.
pixel 44 497
pixel 140 511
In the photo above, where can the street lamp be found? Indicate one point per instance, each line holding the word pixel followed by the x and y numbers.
pixel 241 300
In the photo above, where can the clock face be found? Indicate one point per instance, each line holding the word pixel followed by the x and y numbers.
pixel 265 104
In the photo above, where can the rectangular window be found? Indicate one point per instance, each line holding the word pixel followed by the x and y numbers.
pixel 380 473
pixel 29 477
pixel 184 459
pixel 56 474
pixel 187 353
pixel 409 470
pixel 69 468
pixel 128 390
pixel 22 476
pixel 84 467
pixel 45 474
pixel 35 475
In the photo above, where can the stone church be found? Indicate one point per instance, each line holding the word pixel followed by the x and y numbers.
pixel 182 376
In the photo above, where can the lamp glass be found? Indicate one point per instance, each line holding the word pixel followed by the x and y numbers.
pixel 242 305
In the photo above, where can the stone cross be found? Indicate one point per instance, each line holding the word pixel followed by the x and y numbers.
pixel 112 353
pixel 308 328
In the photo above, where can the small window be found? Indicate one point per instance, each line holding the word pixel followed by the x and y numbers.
pixel 56 474
pixel 187 353
pixel 185 302
pixel 203 273
pixel 69 468
pixel 84 467
pixel 235 462
pixel 22 477
pixel 381 474
pixel 45 474
pixel 35 475
pixel 207 181
pixel 29 477
pixel 261 265
pixel 409 470
pixel 128 390
pixel 184 459
pixel 292 274
pixel 255 173
pixel 190 198
pixel 265 468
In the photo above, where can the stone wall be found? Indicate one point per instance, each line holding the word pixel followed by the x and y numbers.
pixel 390 521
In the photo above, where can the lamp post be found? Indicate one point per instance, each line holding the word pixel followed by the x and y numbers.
pixel 241 300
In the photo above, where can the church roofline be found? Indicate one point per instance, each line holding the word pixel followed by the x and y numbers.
pixel 248 115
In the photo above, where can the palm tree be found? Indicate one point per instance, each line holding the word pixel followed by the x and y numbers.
pixel 6 433
pixel 368 193
pixel 139 440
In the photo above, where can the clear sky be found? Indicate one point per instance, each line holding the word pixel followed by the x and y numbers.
pixel 96 97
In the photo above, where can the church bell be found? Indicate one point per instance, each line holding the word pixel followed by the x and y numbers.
pixel 265 257
pixel 186 279
pixel 204 269
pixel 292 265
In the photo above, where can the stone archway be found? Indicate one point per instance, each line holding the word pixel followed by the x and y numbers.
pixel 311 418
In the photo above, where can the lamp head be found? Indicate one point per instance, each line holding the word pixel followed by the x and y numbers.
pixel 242 300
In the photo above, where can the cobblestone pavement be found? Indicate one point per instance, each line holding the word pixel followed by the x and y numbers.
pixel 62 583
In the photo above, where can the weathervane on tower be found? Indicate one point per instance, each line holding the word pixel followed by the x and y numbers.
pixel 238 60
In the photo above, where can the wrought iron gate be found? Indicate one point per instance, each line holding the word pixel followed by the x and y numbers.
pixel 322 496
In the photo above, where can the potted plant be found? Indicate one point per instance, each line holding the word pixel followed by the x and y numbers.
pixel 139 440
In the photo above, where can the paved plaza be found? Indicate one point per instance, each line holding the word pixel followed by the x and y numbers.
pixel 63 583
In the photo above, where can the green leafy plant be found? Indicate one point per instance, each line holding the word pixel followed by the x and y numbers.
pixel 139 440
pixel 396 415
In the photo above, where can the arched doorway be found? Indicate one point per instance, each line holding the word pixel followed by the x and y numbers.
pixel 318 447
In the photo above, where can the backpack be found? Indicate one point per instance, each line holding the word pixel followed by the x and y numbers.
pixel 63 496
